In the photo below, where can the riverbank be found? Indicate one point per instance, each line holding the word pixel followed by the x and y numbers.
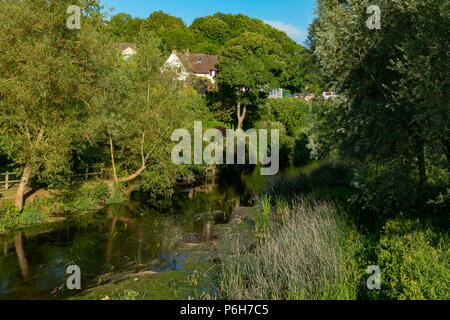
pixel 316 244
pixel 302 239
pixel 46 206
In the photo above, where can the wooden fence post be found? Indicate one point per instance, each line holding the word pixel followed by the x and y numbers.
pixel 7 181
pixel 87 173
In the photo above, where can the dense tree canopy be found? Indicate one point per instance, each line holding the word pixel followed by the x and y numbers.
pixel 251 65
pixel 124 27
pixel 139 111
pixel 49 76
pixel 393 82
pixel 210 34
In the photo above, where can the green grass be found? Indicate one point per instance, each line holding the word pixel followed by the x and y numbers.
pixel 73 198
pixel 263 214
pixel 301 257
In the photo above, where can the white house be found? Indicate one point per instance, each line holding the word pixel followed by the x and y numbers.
pixel 201 65
pixel 127 49
pixel 174 64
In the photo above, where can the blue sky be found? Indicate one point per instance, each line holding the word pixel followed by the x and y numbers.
pixel 292 16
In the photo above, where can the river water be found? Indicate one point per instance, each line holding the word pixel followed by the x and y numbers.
pixel 131 236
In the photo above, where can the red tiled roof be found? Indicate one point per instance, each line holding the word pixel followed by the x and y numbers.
pixel 203 63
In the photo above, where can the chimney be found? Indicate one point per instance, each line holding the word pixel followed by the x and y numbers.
pixel 174 50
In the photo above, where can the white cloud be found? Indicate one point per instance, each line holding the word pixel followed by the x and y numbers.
pixel 291 30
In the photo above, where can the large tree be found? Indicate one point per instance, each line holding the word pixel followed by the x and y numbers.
pixel 140 109
pixel 172 31
pixel 393 80
pixel 251 65
pixel 124 27
pixel 49 75
pixel 212 32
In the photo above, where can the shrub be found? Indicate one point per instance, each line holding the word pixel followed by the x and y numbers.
pixel 101 193
pixel 8 209
pixel 92 197
pixel 8 215
pixel 116 197
pixel 30 216
pixel 414 261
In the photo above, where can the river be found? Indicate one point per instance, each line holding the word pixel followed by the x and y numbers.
pixel 136 235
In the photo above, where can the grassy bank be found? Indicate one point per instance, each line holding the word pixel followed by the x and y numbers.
pixel 302 255
pixel 46 204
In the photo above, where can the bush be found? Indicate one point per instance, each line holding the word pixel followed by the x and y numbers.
pixel 8 209
pixel 101 193
pixel 303 257
pixel 11 217
pixel 92 197
pixel 8 215
pixel 30 216
pixel 414 261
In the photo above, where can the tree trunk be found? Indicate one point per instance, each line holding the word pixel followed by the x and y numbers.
pixel 113 164
pixel 134 175
pixel 22 187
pixel 422 167
pixel 241 116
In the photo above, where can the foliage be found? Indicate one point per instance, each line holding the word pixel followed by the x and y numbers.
pixel 124 28
pixel 213 32
pixel 333 178
pixel 293 114
pixel 50 76
pixel 170 30
pixel 210 34
pixel 414 260
pixel 31 215
pixel 392 81
pixel 11 217
pixel 8 215
pixel 251 65
pixel 140 110
pixel 90 197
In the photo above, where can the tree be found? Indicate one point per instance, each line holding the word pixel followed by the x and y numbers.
pixel 172 31
pixel 124 27
pixel 49 77
pixel 210 32
pixel 394 80
pixel 251 65
pixel 140 110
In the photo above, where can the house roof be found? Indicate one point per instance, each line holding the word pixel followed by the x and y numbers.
pixel 125 45
pixel 202 63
